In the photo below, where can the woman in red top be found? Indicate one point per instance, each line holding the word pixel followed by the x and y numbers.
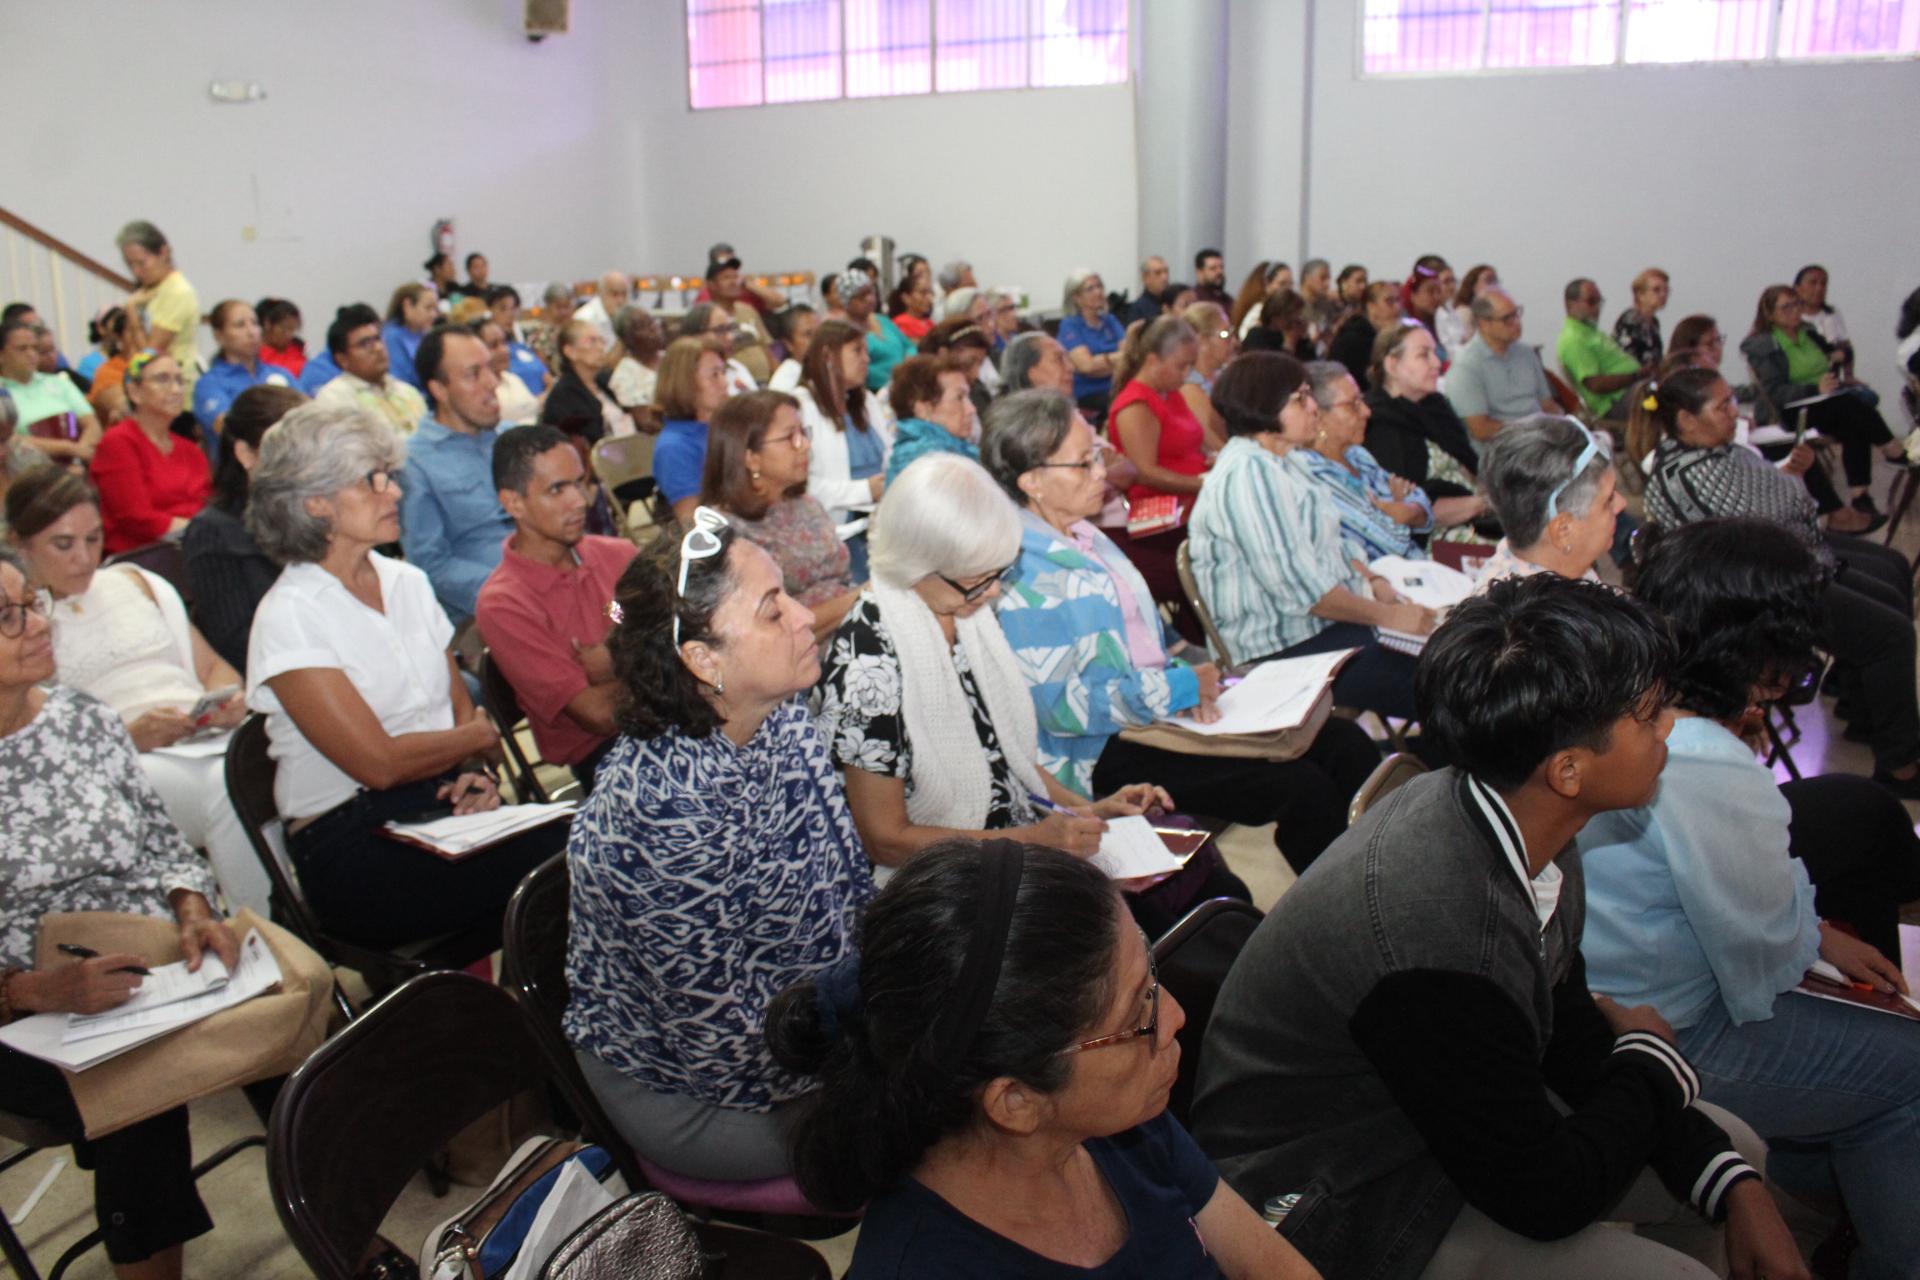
pixel 151 481
pixel 1152 424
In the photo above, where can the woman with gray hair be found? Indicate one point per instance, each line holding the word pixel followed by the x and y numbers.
pixel 1555 490
pixel 1092 336
pixel 920 697
pixel 1097 659
pixel 366 713
pixel 166 304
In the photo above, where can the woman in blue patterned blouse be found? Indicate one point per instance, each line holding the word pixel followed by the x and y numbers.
pixel 714 864
pixel 1379 513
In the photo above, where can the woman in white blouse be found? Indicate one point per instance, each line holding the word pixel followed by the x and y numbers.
pixel 366 715
pixel 121 634
pixel 852 432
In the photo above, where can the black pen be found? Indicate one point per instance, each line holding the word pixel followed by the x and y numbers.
pixel 88 953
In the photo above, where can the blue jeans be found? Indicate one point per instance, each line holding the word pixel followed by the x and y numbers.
pixel 1835 1092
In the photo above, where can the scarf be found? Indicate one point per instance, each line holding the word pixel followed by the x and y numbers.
pixel 952 783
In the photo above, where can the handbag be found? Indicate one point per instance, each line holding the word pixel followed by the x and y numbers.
pixel 513 1215
pixel 643 1237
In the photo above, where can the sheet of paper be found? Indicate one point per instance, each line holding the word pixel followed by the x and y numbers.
pixel 463 833
pixel 575 1197
pixel 1425 582
pixel 168 984
pixel 257 972
pixel 1274 695
pixel 1131 847
pixel 199 747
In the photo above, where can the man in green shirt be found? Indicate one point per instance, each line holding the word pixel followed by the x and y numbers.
pixel 1594 363
pixel 38 395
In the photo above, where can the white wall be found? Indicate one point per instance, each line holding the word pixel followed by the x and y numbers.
pixel 1024 184
pixel 380 116
pixel 1265 116
pixel 1730 178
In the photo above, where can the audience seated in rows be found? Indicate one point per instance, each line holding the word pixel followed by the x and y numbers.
pixel 1281 326
pixel 1701 903
pixel 365 380
pixel 523 360
pixel 1437 1003
pixel 121 635
pixel 367 717
pixel 932 410
pixel 691 387
pixel 1381 514
pixel 963 344
pixel 1594 363
pixel 758 455
pixel 149 467
pixel 1216 346
pixel 1352 342
pixel 452 525
pixel 579 402
pixel 1096 658
pixel 850 429
pixel 1496 378
pixel 1267 551
pixel 1793 363
pixel 85 831
pixel 166 304
pixel 39 396
pixel 994 1066
pixel 413 309
pixel 713 321
pixel 1413 431
pixel 1636 330
pixel 543 610
pixel 1091 336
pixel 752 344
pixel 1425 293
pixel 227 572
pixel 886 345
pixel 714 863
pixel 1699 473
pixel 240 364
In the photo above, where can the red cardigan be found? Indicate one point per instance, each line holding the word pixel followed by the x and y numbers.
pixel 143 489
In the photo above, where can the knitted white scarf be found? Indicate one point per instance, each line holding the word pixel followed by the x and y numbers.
pixel 952 785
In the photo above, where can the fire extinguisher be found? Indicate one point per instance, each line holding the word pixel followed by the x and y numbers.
pixel 443 236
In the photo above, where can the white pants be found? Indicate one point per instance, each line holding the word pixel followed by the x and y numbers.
pixel 195 793
pixel 1669 1239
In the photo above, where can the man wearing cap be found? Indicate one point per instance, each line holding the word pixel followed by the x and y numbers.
pixel 764 300
pixel 726 289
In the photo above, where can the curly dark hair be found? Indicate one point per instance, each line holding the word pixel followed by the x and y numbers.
pixel 657 691
pixel 1742 599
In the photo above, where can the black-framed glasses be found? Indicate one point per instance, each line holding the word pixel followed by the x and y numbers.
pixel 13 615
pixel 1151 1029
pixel 980 588
pixel 1085 464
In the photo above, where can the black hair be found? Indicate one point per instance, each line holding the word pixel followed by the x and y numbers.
pixel 470 257
pixel 1909 317
pixel 432 352
pixel 500 291
pixel 1574 288
pixel 436 261
pixel 1742 600
pixel 516 448
pixel 247 419
pixel 1536 665
pixel 14 324
pixel 110 323
pixel 789 316
pixel 355 315
pixel 1683 390
pixel 14 310
pixel 867 265
pixel 888 1093
pixel 1200 258
pixel 656 690
pixel 1252 390
pixel 1808 270
pixel 273 310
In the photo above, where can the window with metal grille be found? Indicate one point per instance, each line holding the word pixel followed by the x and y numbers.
pixel 743 53
pixel 1401 37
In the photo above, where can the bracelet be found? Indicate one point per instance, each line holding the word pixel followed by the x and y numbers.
pixel 6 1000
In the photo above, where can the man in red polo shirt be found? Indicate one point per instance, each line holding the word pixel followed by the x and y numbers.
pixel 543 611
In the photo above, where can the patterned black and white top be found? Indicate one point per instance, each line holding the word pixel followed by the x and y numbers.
pixel 1639 336
pixel 858 705
pixel 81 828
pixel 1700 484
pixel 707 878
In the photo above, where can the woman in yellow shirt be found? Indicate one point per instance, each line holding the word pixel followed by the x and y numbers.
pixel 166 302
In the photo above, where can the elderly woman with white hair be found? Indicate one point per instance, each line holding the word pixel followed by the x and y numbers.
pixel 921 697
pixel 367 716
pixel 1097 659
pixel 1092 336
pixel 1553 485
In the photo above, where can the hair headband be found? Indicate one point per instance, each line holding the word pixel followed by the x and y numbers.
pixel 1000 867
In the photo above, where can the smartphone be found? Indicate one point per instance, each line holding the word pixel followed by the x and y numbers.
pixel 211 701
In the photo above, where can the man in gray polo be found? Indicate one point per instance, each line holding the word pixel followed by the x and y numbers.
pixel 1496 378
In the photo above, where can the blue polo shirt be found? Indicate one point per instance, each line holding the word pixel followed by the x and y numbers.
pixel 679 458
pixel 224 380
pixel 319 371
pixel 452 525
pixel 522 359
pixel 402 344
pixel 1101 340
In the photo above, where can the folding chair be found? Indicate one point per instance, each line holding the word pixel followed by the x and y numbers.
pixel 1192 960
pixel 504 704
pixel 1387 777
pixel 535 970
pixel 250 777
pixel 1184 561
pixel 624 467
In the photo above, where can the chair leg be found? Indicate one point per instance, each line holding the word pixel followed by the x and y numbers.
pixel 1780 754
pixel 15 1252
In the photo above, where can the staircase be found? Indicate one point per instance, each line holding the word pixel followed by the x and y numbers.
pixel 66 286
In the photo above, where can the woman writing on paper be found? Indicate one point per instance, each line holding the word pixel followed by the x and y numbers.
pixel 1097 659
pixel 920 660
pixel 366 713
pixel 83 830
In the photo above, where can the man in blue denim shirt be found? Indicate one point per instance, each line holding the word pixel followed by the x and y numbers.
pixel 451 520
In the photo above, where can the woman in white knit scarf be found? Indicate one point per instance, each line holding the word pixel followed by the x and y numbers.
pixel 920 694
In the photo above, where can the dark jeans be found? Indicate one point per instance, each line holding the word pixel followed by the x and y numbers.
pixel 1860 852
pixel 1858 427
pixel 1375 679
pixel 1306 798
pixel 143 1193
pixel 378 892
pixel 1869 623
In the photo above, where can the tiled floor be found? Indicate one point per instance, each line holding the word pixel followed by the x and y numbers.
pixel 248 1242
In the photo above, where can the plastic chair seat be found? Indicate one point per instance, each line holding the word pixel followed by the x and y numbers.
pixel 769 1195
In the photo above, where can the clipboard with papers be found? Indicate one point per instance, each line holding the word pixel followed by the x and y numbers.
pixel 1425 582
pixel 459 836
pixel 1270 713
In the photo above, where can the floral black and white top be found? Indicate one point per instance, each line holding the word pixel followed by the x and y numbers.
pixel 858 708
pixel 81 828
pixel 1638 336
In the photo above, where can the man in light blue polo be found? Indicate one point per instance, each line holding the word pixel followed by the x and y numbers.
pixel 1496 378
pixel 452 524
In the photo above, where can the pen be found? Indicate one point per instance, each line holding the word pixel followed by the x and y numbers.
pixel 88 953
pixel 1050 806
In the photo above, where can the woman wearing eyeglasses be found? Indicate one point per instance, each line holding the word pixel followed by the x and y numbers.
pixel 922 699
pixel 995 1066
pixel 756 472
pixel 152 480
pixel 1380 512
pixel 1217 346
pixel 367 716
pixel 1412 430
pixel 715 863
pixel 851 427
pixel 1555 490
pixel 1097 658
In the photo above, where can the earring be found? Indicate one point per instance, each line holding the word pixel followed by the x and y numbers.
pixel 719 685
pixel 754 475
